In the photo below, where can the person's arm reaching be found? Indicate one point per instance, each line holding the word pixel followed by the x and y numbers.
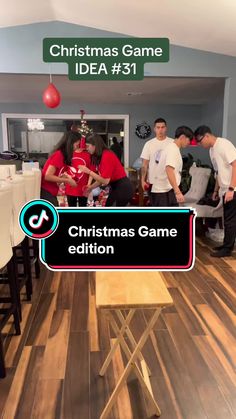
pixel 170 171
pixel 229 196
pixel 51 177
pixel 215 194
pixel 95 176
pixel 144 172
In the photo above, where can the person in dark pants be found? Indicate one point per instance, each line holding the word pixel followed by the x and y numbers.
pixel 109 172
pixel 56 164
pixel 116 148
pixel 165 188
pixel 151 154
pixel 223 157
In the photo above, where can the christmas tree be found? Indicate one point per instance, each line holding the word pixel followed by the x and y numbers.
pixel 83 129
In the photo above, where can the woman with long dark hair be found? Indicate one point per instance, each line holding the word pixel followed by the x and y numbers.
pixel 109 172
pixel 57 161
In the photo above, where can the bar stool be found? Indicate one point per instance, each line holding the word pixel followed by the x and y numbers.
pixel 30 183
pixel 7 170
pixel 35 243
pixel 130 291
pixel 18 238
pixel 19 241
pixel 33 188
pixel 37 185
pixel 6 259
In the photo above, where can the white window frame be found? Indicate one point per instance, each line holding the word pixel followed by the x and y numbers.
pixel 6 116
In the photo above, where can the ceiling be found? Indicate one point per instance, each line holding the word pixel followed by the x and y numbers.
pixel 22 88
pixel 206 25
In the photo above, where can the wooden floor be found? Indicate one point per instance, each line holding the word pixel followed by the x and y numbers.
pixel 52 368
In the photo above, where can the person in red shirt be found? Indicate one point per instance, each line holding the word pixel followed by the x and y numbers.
pixel 80 157
pixel 52 173
pixel 109 172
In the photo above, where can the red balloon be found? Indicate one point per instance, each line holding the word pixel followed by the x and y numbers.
pixel 51 96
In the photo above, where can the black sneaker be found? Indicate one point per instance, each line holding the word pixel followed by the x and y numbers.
pixel 221 253
pixel 218 247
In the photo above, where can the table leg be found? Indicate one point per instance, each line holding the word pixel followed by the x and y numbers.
pixel 132 340
pixel 121 332
pixel 129 366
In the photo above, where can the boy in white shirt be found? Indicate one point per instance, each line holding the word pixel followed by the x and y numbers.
pixel 151 154
pixel 166 192
pixel 223 157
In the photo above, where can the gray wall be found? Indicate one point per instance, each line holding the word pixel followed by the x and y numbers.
pixel 212 116
pixel 21 52
pixel 175 115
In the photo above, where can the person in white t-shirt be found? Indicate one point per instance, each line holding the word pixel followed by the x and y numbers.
pixel 165 188
pixel 223 157
pixel 151 154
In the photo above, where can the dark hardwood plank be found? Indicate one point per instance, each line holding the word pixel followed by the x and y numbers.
pixel 98 386
pixel 197 278
pixel 92 276
pixel 123 400
pixel 15 391
pixel 55 356
pixel 16 343
pixel 229 276
pixel 169 279
pixel 184 280
pixel 80 306
pixel 160 324
pixel 25 405
pixel 225 314
pixel 46 280
pixel 217 329
pixel 136 399
pixel 225 296
pixel 103 331
pixel 76 392
pixel 225 380
pixel 187 313
pixel 188 400
pixel 65 291
pixel 5 386
pixel 111 383
pixel 48 399
pixel 40 326
pixel 65 341
pixel 211 398
pixel 39 283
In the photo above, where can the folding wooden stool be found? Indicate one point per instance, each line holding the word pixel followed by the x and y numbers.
pixel 130 291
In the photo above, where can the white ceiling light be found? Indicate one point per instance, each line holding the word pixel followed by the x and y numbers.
pixel 35 125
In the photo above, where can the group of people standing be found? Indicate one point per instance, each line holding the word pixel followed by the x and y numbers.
pixel 162 166
pixel 83 165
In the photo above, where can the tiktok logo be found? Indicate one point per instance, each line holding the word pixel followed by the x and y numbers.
pixel 38 219
pixel 36 222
